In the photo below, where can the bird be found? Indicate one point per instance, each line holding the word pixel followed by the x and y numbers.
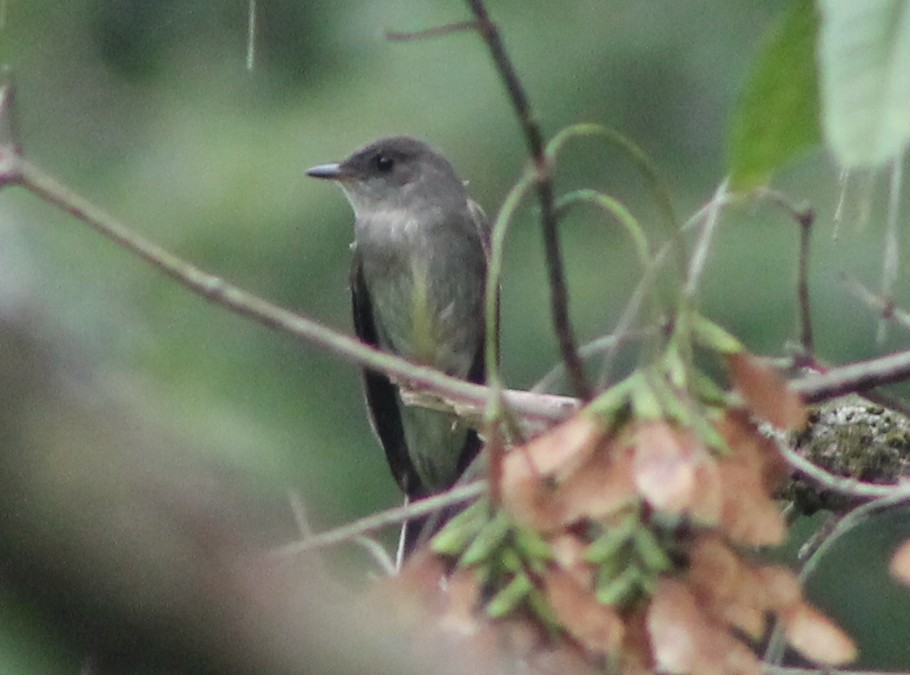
pixel 418 286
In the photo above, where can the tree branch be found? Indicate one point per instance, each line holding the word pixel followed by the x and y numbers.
pixel 559 298
pixel 377 521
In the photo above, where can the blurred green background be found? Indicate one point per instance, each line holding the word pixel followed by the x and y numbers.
pixel 148 110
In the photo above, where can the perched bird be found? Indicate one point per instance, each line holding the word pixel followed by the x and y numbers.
pixel 418 283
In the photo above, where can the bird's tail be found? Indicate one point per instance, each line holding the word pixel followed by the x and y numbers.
pixel 417 531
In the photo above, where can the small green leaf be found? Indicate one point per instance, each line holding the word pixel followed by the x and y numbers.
pixel 542 609
pixel 455 536
pixel 777 117
pixel 504 602
pixel 650 552
pixel 487 540
pixel 614 400
pixel 531 545
pixel 620 588
pixel 707 390
pixel 645 402
pixel 711 336
pixel 609 544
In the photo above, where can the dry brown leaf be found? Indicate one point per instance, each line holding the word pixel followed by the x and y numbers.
pixel 749 474
pixel 532 472
pixel 531 501
pixel 749 514
pixel 462 592
pixel 726 587
pixel 707 501
pixel 601 487
pixel 636 656
pixel 665 464
pixel 781 586
pixel 561 659
pixel 685 640
pixel 900 563
pixel 556 452
pixel 761 452
pixel 415 590
pixel 816 637
pixel 766 392
pixel 597 627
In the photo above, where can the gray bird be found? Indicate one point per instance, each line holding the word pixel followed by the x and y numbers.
pixel 418 282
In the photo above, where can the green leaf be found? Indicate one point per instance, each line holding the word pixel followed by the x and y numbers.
pixel 461 530
pixel 507 599
pixel 650 552
pixel 777 117
pixel 531 544
pixel 493 533
pixel 864 62
pixel 620 588
pixel 612 540
pixel 711 336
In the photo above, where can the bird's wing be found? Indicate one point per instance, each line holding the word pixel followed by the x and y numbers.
pixel 478 371
pixel 383 404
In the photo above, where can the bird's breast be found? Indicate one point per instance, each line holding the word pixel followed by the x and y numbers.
pixel 426 289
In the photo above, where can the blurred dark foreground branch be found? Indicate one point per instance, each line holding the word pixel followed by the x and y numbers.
pixel 130 552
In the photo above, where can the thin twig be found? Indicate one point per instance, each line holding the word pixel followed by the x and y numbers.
pixel 806 339
pixel 805 218
pixel 379 555
pixel 299 511
pixel 843 180
pixel 251 36
pixel 840 484
pixel 853 378
pixel 383 519
pixel 586 351
pixel 884 306
pixel 892 229
pixel 437 31
pixel 700 252
pixel 559 298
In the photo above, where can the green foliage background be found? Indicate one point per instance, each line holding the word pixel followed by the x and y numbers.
pixel 148 109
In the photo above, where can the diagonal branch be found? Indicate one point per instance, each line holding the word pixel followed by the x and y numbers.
pixel 539 408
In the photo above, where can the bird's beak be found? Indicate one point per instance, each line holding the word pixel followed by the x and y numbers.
pixel 329 171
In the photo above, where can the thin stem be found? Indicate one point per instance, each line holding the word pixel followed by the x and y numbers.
pixel 386 518
pixel 495 408
pixel 559 299
pixel 700 254
pixel 854 377
pixel 251 36
pixel 892 229
pixel 408 36
pixel 806 339
pixel 841 484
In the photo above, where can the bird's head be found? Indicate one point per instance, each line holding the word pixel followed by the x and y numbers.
pixel 394 173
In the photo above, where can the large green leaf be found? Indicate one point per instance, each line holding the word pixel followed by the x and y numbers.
pixel 864 60
pixel 777 115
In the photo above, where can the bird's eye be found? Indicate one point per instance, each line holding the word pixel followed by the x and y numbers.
pixel 384 163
